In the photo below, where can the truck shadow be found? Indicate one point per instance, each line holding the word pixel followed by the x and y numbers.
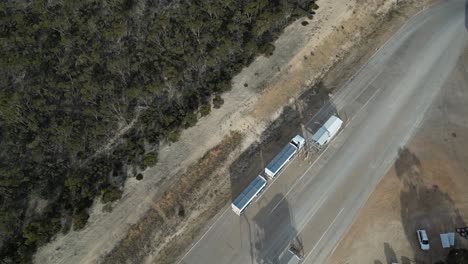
pixel 321 115
pixel 390 254
pixel 253 160
pixel 424 207
pixel 466 15
pixel 272 231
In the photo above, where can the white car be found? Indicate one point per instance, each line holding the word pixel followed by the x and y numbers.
pixel 423 240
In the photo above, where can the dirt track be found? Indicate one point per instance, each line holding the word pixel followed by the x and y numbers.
pixel 303 55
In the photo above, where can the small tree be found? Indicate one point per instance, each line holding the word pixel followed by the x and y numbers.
pixel 190 120
pixel 150 159
pixel 111 194
pixel 205 109
pixel 139 177
pixel 173 136
pixel 79 219
pixel 38 233
pixel 218 101
pixel 267 49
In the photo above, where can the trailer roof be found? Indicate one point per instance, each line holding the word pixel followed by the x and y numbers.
pixel 321 136
pixel 328 129
pixel 249 192
pixel 277 162
pixel 289 258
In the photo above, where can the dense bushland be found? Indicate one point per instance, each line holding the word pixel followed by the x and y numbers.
pixel 73 73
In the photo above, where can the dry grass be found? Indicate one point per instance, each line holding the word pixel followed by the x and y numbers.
pixel 173 221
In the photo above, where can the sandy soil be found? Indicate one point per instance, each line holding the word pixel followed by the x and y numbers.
pixel 424 189
pixel 303 55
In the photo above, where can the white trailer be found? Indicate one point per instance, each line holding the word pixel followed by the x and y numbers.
pixel 248 194
pixel 290 256
pixel 329 130
pixel 285 155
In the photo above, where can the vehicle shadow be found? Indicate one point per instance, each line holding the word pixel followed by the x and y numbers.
pixel 466 15
pixel 406 260
pixel 424 207
pixel 273 230
pixel 320 116
pixel 390 255
pixel 253 160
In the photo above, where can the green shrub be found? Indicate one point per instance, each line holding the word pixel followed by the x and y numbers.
pixel 39 232
pixel 111 194
pixel 79 219
pixel 150 159
pixel 218 101
pixel 267 49
pixel 139 177
pixel 173 136
pixel 190 120
pixel 205 109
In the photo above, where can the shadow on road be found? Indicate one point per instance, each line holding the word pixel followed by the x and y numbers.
pixel 272 232
pixel 424 207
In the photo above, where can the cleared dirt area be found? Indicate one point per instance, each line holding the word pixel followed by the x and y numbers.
pixel 265 97
pixel 426 188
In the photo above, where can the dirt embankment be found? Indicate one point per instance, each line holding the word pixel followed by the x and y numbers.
pixel 187 203
pixel 260 95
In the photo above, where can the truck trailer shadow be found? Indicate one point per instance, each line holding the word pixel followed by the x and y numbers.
pixel 320 116
pixel 424 207
pixel 253 160
pixel 391 257
pixel 272 231
pixel 466 15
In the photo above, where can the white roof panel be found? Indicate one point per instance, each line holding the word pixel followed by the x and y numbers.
pixel 328 130
pixel 321 136
pixel 333 124
pixel 445 240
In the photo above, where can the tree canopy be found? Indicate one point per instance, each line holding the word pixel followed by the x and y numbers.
pixel 75 72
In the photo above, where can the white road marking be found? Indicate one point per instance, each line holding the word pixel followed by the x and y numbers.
pixel 325 150
pixel 297 181
pixel 211 226
pixel 292 187
pixel 323 235
pixel 322 200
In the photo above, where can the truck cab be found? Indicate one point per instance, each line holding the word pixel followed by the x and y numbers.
pixel 298 141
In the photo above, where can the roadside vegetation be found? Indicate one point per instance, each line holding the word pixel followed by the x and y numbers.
pixel 89 90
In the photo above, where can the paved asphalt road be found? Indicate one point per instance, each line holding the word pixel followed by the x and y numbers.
pixel 314 201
